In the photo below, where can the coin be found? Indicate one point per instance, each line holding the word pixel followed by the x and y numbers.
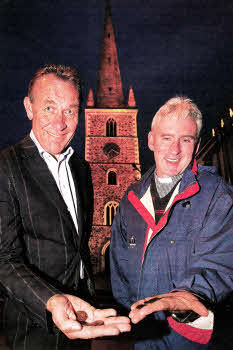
pixel 81 316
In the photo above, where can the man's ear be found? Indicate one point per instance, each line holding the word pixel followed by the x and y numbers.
pixel 28 107
pixel 151 141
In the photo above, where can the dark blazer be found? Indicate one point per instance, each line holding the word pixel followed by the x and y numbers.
pixel 40 249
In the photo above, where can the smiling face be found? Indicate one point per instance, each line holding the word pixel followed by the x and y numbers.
pixel 172 140
pixel 54 112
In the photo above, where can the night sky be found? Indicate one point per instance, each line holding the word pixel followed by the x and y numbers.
pixel 165 48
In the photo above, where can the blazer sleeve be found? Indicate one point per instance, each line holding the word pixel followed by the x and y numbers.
pixel 25 288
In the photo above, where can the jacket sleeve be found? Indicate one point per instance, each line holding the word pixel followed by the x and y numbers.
pixel 119 259
pixel 210 269
pixel 25 288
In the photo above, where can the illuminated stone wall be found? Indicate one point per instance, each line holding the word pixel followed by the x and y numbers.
pixel 124 164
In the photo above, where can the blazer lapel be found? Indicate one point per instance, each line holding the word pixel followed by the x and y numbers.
pixel 75 170
pixel 41 174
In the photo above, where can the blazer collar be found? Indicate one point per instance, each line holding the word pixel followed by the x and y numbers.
pixel 75 170
pixel 42 176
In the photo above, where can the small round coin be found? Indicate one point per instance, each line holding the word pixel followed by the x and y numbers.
pixel 81 316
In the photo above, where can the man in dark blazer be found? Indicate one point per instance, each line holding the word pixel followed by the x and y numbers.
pixel 45 222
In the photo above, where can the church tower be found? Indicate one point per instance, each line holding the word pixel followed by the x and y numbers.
pixel 111 144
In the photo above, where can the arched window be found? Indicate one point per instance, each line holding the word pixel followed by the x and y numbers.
pixel 110 212
pixel 104 260
pixel 112 178
pixel 111 128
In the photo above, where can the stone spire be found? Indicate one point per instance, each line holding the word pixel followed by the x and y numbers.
pixel 131 100
pixel 90 99
pixel 109 88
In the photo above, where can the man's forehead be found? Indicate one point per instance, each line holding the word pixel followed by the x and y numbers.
pixel 45 78
pixel 51 79
pixel 174 117
pixel 173 124
pixel 49 85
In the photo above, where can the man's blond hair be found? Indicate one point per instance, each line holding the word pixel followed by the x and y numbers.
pixel 180 107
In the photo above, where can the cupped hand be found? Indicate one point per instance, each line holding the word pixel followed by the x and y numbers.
pixel 179 301
pixel 79 320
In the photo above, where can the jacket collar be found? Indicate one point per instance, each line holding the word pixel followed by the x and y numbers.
pixel 189 189
pixel 27 148
pixel 188 179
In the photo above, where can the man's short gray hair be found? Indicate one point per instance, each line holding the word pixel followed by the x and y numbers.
pixel 180 107
pixel 63 72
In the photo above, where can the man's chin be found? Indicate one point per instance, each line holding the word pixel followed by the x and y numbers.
pixel 56 151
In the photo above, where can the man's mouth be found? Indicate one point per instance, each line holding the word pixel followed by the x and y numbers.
pixel 55 135
pixel 172 160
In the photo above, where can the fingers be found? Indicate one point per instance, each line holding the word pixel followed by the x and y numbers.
pixel 76 330
pixel 199 308
pixel 121 322
pixel 122 327
pixel 111 321
pixel 136 315
pixel 78 319
pixel 116 320
pixel 184 301
pixel 179 301
pixel 90 332
pixel 69 327
pixel 102 313
pixel 81 305
pixel 70 312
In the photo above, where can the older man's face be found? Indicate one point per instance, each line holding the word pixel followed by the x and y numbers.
pixel 54 112
pixel 173 142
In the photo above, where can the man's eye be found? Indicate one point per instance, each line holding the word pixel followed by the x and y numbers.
pixel 48 109
pixel 69 111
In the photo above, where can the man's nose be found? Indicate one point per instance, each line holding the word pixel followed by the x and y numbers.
pixel 175 147
pixel 59 121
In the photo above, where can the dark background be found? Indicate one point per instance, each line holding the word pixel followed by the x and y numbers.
pixel 165 47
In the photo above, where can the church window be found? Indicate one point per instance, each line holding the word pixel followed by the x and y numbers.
pixel 112 178
pixel 109 212
pixel 111 128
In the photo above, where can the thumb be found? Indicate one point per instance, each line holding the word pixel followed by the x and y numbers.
pixel 71 314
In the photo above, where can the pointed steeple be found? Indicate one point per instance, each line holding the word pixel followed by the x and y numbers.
pixel 131 100
pixel 90 99
pixel 109 89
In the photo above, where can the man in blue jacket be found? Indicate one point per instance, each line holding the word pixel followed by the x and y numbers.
pixel 172 239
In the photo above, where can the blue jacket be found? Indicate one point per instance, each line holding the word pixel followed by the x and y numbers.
pixel 191 247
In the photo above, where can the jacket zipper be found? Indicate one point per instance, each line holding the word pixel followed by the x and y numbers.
pixel 140 273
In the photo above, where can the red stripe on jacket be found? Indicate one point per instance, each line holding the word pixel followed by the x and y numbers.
pixel 146 215
pixel 197 335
